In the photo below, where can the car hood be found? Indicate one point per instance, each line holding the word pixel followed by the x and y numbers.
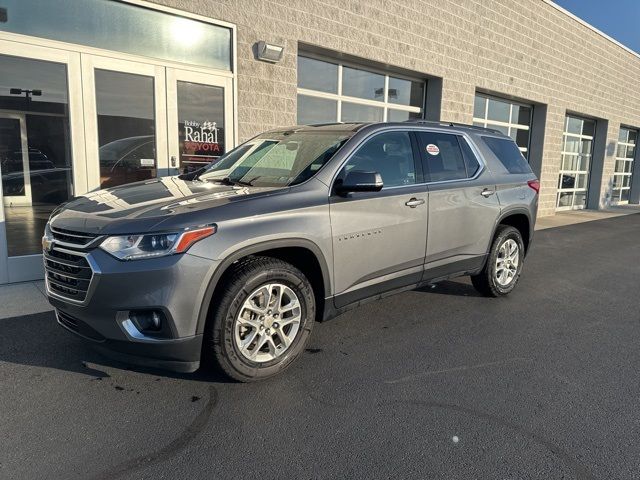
pixel 143 206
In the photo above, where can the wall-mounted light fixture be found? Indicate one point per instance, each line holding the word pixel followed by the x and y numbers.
pixel 267 52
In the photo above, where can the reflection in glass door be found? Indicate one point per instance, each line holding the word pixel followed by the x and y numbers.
pixel 14 160
pixel 126 127
pixel 199 119
pixel 125 119
pixel 35 154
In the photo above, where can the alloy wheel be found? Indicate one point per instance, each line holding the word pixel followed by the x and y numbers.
pixel 267 323
pixel 507 262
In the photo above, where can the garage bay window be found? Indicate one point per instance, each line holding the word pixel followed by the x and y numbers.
pixel 511 118
pixel 627 141
pixel 334 92
pixel 575 164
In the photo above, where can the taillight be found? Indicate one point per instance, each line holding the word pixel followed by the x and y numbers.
pixel 535 185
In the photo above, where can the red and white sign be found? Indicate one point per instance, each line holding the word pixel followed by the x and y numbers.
pixel 200 143
pixel 432 149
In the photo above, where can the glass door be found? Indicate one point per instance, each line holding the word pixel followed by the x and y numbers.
pixel 200 119
pixel 125 121
pixel 41 161
pixel 14 160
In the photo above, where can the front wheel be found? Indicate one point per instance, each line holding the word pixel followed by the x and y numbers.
pixel 504 264
pixel 262 320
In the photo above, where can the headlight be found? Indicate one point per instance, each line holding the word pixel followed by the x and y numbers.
pixel 134 247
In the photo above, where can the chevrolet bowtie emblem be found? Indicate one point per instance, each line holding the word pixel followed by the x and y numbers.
pixel 47 244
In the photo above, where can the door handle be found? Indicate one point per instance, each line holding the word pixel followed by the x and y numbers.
pixel 414 202
pixel 486 193
pixel 173 162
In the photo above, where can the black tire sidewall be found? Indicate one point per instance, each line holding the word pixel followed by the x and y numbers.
pixel 503 236
pixel 227 353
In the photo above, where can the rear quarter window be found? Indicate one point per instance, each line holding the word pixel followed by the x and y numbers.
pixel 508 153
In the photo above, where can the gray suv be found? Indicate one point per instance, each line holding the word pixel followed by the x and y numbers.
pixel 235 262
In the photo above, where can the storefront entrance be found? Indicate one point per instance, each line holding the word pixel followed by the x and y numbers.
pixel 74 119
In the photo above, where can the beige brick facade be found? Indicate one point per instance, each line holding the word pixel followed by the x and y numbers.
pixel 527 49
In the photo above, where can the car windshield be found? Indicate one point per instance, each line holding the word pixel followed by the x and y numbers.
pixel 277 159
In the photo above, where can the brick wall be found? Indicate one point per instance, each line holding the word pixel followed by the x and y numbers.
pixel 524 48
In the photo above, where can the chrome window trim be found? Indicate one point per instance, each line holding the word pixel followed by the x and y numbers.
pixel 386 129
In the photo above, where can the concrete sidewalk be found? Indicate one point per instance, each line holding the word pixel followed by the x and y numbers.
pixel 25 298
pixel 28 298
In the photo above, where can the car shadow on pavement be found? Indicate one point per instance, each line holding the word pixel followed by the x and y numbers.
pixel 37 340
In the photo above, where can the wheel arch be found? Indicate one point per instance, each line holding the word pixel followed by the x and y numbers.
pixel 302 253
pixel 520 219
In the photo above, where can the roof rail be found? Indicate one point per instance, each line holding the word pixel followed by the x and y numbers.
pixel 453 124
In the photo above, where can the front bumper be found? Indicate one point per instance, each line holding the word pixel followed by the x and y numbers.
pixel 174 285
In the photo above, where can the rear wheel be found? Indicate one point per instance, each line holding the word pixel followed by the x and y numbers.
pixel 263 319
pixel 504 264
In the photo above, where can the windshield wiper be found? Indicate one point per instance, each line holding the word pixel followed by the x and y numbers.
pixel 228 181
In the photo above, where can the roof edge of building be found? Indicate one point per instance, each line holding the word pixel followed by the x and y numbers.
pixel 588 25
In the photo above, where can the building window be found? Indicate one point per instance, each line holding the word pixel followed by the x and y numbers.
pixel 335 92
pixel 511 118
pixel 627 141
pixel 575 163
pixel 122 27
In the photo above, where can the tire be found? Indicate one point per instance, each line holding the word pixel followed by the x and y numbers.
pixel 241 314
pixel 495 282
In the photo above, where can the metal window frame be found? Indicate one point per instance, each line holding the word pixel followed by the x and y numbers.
pixel 617 191
pixel 576 172
pixel 510 124
pixel 339 97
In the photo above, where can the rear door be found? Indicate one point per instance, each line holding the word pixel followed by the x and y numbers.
pixel 463 206
pixel 379 237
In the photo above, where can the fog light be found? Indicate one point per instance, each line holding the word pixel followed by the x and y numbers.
pixel 147 320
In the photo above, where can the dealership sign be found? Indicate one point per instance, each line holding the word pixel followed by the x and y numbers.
pixel 201 137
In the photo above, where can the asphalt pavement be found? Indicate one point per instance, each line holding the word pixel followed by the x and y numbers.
pixel 429 384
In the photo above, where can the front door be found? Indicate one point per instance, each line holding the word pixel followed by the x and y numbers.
pixel 379 238
pixel 14 160
pixel 200 119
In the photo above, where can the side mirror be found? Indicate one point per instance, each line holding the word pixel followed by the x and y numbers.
pixel 359 181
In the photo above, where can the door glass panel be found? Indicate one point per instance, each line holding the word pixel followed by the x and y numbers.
pixel 575 164
pixel 353 112
pixel 201 125
pixel 36 93
pixel 126 127
pixel 390 154
pixel 362 84
pixel 316 110
pixel 11 158
pixel 317 75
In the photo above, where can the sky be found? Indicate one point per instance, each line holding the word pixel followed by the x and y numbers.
pixel 620 19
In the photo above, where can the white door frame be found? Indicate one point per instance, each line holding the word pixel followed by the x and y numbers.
pixel 22 200
pixel 29 267
pixel 174 76
pixel 89 64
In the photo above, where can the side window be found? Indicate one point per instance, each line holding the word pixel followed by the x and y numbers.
pixel 508 153
pixel 443 157
pixel 390 154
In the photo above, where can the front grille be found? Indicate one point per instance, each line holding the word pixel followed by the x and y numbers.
pixel 68 274
pixel 71 237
